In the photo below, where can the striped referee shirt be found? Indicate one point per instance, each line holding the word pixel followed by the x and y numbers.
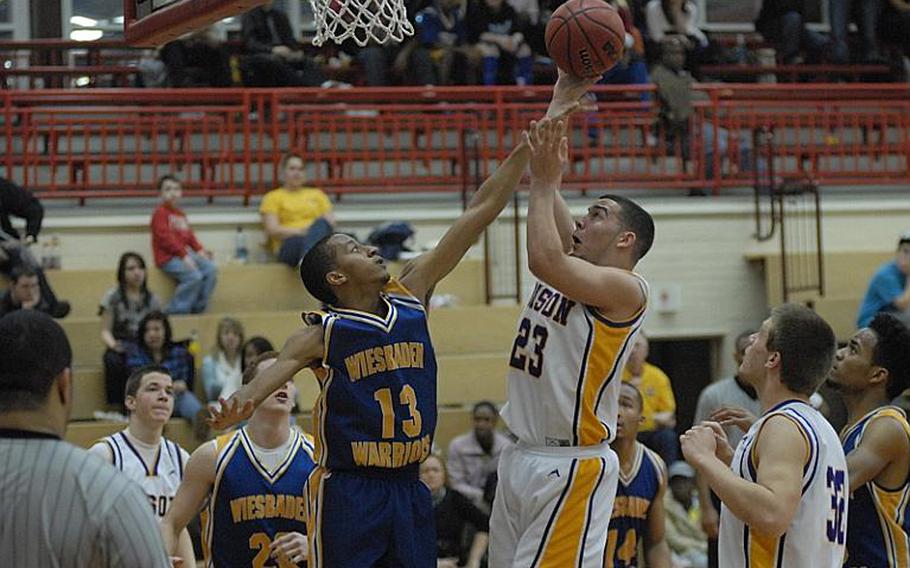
pixel 62 507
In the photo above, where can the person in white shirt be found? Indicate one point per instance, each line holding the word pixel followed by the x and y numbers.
pixel 142 452
pixel 222 370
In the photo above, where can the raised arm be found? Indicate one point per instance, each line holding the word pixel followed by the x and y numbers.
pixel 301 350
pixel 769 504
pixel 198 478
pixel 618 293
pixel 424 272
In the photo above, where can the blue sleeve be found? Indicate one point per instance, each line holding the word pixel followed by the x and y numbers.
pixel 886 286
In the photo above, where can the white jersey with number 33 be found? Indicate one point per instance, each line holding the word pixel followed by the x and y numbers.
pixel 565 371
pixel 817 534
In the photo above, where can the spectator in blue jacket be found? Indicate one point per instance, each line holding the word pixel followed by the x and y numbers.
pixel 888 291
pixel 155 346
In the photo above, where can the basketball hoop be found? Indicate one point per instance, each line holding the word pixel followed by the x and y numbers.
pixel 364 21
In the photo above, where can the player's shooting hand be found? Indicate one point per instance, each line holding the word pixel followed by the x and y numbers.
pixel 292 546
pixel 549 151
pixel 698 445
pixel 569 95
pixel 230 413
pixel 734 416
pixel 723 449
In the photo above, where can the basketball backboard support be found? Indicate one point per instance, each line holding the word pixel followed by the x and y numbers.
pixel 151 23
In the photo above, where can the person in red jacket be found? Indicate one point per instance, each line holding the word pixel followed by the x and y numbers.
pixel 180 254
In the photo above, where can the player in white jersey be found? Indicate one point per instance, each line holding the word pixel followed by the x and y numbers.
pixel 785 489
pixel 557 485
pixel 142 452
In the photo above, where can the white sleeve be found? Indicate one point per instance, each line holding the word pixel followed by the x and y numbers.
pixel 103 451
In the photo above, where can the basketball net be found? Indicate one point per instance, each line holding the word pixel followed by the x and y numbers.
pixel 364 21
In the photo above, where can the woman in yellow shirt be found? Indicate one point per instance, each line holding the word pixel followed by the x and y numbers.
pixel 295 216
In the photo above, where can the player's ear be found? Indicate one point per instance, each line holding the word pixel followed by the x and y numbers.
pixel 64 387
pixel 879 375
pixel 336 278
pixel 130 403
pixel 773 360
pixel 626 240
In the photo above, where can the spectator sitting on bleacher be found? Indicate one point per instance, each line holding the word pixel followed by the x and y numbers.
pixel 866 14
pixel 274 58
pixel 782 22
pixel 495 30
pixel 631 69
pixel 674 18
pixel 197 59
pixel 295 217
pixel 14 252
pixel 454 513
pixel 677 95
pixel 222 371
pixel 254 346
pixel 474 456
pixel 443 54
pixel 24 292
pixel 888 290
pixel 688 543
pixel 658 413
pixel 156 347
pixel 121 309
pixel 179 254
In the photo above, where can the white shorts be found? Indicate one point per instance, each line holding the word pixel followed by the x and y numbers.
pixel 552 506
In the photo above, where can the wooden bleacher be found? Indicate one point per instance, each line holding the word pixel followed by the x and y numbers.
pixel 243 288
pixel 846 276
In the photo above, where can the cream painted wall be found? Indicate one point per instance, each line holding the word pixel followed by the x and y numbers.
pixel 700 250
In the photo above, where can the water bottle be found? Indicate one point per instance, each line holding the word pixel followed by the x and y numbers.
pixel 241 253
pixel 55 261
pixel 195 348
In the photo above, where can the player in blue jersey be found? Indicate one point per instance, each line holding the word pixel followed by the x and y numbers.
pixel 251 484
pixel 638 511
pixel 376 413
pixel 872 369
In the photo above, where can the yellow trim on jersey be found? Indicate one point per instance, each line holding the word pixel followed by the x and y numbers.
pixel 600 367
pixel 225 447
pixel 283 465
pixel 762 550
pixel 314 494
pixel 626 479
pixel 320 456
pixel 565 544
pixel 888 506
pixel 394 287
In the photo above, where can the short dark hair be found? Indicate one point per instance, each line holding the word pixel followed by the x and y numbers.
pixel 154 315
pixel 22 271
pixel 742 340
pixel 34 351
pixel 641 399
pixel 904 239
pixel 637 220
pixel 315 266
pixel 283 163
pixel 806 345
pixel 485 404
pixel 249 372
pixel 892 352
pixel 260 343
pixel 167 177
pixel 135 380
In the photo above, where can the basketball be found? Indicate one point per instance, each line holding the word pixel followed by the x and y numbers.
pixel 585 37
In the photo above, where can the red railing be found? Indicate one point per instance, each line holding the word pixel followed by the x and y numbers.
pixel 64 143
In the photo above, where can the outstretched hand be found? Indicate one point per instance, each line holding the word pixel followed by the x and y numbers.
pixel 569 95
pixel 549 151
pixel 230 414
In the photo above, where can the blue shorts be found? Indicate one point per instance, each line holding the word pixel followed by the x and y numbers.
pixel 356 521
